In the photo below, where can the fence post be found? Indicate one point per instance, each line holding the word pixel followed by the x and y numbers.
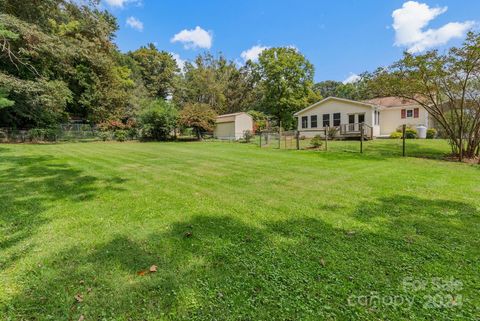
pixel 361 138
pixel 326 138
pixel 260 139
pixel 404 129
pixel 280 136
pixel 297 136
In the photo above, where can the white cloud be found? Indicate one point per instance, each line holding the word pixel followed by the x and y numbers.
pixel 135 23
pixel 121 3
pixel 352 78
pixel 195 38
pixel 252 53
pixel 409 23
pixel 179 60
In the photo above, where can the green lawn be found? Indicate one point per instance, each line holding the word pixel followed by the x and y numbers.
pixel 237 232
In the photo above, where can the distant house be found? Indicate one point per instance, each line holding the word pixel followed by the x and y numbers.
pixel 381 116
pixel 233 126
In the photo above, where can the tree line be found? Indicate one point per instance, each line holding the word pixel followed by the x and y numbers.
pixel 59 62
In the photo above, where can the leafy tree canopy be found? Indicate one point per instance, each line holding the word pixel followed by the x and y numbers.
pixel 158 70
pixel 285 77
pixel 201 117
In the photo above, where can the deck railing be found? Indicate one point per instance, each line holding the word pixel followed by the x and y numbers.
pixel 355 130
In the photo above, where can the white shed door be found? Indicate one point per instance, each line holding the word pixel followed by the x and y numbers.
pixel 225 130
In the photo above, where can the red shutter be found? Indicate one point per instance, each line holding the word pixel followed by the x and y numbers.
pixel 404 113
pixel 416 113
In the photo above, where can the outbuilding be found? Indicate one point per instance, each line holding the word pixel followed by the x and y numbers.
pixel 233 126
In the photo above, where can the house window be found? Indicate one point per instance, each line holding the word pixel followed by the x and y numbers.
pixel 361 118
pixel 377 117
pixel 313 121
pixel 409 113
pixel 336 119
pixel 326 120
pixel 304 122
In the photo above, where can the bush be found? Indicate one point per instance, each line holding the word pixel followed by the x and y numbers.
pixel 431 133
pixel 247 136
pixel 104 136
pixel 158 120
pixel 316 141
pixel 3 137
pixel 132 133
pixel 36 134
pixel 51 134
pixel 396 135
pixel 410 133
pixel 120 135
pixel 332 132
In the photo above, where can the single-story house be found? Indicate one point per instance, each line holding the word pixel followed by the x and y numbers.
pixel 381 116
pixel 233 126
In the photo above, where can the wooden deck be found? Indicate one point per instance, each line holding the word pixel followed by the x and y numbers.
pixel 345 131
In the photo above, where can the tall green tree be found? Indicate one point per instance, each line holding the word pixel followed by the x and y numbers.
pixel 285 77
pixel 327 88
pixel 158 70
pixel 201 117
pixel 357 90
pixel 58 60
pixel 217 82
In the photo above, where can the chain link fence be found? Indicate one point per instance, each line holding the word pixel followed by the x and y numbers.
pixel 65 132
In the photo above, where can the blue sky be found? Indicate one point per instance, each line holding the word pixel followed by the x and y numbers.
pixel 341 38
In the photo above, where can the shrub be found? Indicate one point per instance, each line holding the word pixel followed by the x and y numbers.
pixel 104 136
pixel 132 133
pixel 260 120
pixel 247 136
pixel 51 134
pixel 431 133
pixel 332 132
pixel 35 134
pixel 410 133
pixel 316 141
pixel 3 136
pixel 158 120
pixel 120 135
pixel 396 135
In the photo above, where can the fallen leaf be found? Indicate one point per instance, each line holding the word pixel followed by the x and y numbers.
pixel 322 262
pixel 142 273
pixel 79 297
pixel 188 234
pixel 82 282
pixel 81 318
pixel 89 290
pixel 153 269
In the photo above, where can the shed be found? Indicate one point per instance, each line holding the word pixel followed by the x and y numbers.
pixel 233 126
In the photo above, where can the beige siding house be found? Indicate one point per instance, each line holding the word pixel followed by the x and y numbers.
pixel 381 116
pixel 233 126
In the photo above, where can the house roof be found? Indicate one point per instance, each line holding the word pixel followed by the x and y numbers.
pixel 365 104
pixel 231 115
pixel 391 102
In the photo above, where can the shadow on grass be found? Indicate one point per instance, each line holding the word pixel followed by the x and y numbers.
pixel 29 186
pixel 219 268
pixel 437 219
